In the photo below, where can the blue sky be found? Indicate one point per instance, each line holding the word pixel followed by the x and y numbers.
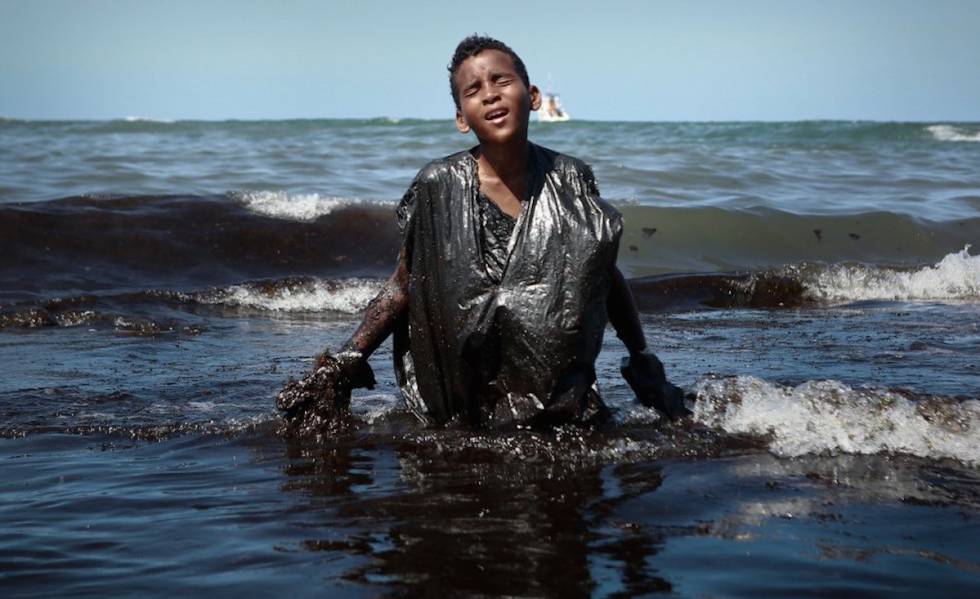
pixel 611 60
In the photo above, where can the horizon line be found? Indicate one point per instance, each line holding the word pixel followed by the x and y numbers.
pixel 396 120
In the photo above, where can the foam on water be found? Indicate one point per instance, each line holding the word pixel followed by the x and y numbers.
pixel 146 119
pixel 303 207
pixel 951 133
pixel 349 296
pixel 831 417
pixel 955 277
pixel 371 407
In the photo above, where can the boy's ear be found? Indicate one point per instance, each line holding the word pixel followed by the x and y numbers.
pixel 535 97
pixel 461 124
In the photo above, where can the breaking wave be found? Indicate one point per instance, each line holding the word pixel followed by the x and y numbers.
pixel 296 295
pixel 955 277
pixel 830 417
pixel 146 119
pixel 198 242
pixel 125 312
pixel 302 207
pixel 951 133
pixel 736 414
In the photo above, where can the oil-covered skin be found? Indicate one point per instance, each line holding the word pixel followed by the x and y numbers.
pixel 382 312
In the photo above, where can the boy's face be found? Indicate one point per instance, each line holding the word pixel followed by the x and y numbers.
pixel 493 101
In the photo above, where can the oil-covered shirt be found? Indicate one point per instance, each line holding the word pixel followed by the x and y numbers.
pixel 512 338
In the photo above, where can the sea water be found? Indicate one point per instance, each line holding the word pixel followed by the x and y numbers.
pixel 814 286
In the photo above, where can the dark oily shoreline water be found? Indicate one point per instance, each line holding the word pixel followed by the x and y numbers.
pixel 810 284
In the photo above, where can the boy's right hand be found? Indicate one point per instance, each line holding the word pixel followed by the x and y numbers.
pixel 318 402
pixel 353 370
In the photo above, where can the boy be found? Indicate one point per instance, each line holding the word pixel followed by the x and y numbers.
pixel 505 281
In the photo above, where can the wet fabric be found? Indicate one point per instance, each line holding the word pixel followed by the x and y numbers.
pixel 497 227
pixel 521 347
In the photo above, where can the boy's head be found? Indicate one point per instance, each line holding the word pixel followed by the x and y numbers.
pixel 491 89
pixel 473 45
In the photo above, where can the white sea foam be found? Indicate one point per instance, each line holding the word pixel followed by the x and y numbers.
pixel 955 277
pixel 201 406
pixel 349 296
pixel 146 119
pixel 831 417
pixel 951 133
pixel 375 406
pixel 279 204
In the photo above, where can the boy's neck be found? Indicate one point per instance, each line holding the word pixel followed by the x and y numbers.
pixel 505 163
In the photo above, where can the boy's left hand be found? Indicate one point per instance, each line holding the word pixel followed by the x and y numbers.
pixel 645 374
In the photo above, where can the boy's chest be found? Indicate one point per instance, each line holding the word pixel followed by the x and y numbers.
pixel 508 199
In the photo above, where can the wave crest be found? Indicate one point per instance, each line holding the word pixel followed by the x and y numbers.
pixel 302 207
pixel 348 296
pixel 955 277
pixel 146 119
pixel 831 417
pixel 951 133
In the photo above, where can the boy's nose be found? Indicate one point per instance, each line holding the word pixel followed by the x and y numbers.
pixel 491 96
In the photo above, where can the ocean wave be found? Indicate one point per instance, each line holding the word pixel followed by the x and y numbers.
pixel 830 417
pixel 769 259
pixel 740 413
pixel 348 296
pixel 126 312
pixel 951 133
pixel 185 242
pixel 955 277
pixel 146 119
pixel 704 239
pixel 302 207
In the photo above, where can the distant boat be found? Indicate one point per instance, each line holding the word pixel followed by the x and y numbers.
pixel 551 110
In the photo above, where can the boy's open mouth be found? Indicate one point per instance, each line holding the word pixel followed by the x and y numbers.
pixel 496 114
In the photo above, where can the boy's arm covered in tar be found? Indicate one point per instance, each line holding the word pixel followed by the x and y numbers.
pixel 642 369
pixel 317 398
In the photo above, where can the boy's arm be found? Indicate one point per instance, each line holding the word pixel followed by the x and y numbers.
pixel 314 402
pixel 623 315
pixel 642 369
pixel 381 314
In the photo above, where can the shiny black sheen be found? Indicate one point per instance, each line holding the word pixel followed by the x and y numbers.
pixel 521 351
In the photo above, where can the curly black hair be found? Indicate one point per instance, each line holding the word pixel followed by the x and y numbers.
pixel 473 45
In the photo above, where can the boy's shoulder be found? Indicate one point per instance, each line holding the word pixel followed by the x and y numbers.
pixel 436 170
pixel 551 160
pixel 570 169
pixel 558 159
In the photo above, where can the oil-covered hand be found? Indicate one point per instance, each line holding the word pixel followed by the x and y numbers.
pixel 645 374
pixel 319 400
pixel 352 367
